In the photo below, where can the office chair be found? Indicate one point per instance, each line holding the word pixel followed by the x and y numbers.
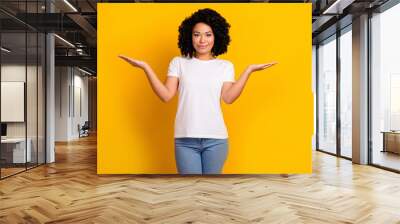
pixel 84 130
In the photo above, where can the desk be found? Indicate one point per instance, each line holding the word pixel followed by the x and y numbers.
pixel 16 147
pixel 391 141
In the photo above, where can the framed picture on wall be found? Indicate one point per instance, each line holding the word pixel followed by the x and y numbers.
pixel 12 101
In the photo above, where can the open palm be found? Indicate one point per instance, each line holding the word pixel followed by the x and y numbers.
pixel 258 67
pixel 132 61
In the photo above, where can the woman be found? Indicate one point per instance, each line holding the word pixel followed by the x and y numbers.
pixel 201 139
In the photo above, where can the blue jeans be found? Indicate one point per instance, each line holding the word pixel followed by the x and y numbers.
pixel 200 155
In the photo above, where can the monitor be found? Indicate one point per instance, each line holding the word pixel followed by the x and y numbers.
pixel 3 129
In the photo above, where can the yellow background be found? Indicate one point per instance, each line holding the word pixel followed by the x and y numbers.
pixel 270 126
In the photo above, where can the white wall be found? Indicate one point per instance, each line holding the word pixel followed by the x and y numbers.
pixel 71 93
pixel 81 84
pixel 62 81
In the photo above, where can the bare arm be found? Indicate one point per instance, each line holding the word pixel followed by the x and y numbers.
pixel 232 91
pixel 165 91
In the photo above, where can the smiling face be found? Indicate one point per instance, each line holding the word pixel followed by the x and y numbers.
pixel 202 39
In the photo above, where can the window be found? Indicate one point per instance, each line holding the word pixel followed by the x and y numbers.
pixel 346 93
pixel 385 88
pixel 327 95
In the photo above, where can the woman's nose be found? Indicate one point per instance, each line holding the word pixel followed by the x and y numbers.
pixel 202 39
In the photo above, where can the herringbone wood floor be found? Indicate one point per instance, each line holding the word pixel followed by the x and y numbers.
pixel 70 191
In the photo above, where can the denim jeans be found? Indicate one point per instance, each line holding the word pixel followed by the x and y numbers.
pixel 200 155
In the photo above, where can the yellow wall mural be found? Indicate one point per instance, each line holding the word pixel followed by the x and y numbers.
pixel 270 126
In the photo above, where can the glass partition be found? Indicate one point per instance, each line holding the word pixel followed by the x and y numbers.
pixel 14 154
pixel 22 77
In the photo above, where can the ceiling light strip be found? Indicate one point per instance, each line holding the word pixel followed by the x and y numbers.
pixel 335 7
pixel 64 40
pixel 71 6
pixel 86 72
pixel 5 50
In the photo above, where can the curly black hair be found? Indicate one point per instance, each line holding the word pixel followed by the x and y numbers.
pixel 218 24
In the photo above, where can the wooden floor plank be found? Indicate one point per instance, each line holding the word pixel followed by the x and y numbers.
pixel 70 191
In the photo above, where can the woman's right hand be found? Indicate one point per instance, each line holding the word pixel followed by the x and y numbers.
pixel 134 62
pixel 164 91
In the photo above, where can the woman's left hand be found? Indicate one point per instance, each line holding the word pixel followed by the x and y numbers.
pixel 259 67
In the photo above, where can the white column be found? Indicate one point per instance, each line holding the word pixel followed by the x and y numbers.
pixel 50 92
pixel 50 99
pixel 360 90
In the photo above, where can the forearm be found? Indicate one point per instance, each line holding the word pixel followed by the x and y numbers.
pixel 158 87
pixel 237 88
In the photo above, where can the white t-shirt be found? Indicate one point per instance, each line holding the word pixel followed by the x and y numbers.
pixel 199 112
